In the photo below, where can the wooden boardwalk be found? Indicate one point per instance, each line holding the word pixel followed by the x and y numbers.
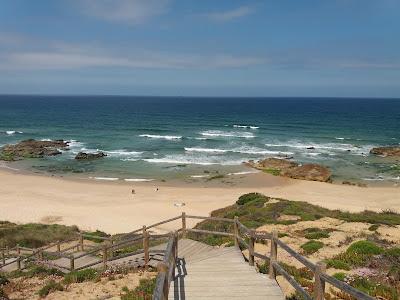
pixel 206 272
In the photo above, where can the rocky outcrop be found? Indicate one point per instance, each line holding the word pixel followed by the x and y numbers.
pixel 386 151
pixel 32 149
pixel 286 168
pixel 83 155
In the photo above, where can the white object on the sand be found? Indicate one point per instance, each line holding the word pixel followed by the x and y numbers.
pixel 137 179
pixel 179 204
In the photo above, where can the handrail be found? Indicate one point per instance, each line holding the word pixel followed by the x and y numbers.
pixel 166 269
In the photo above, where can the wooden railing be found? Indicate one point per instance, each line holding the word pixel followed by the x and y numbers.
pixel 166 268
pixel 241 235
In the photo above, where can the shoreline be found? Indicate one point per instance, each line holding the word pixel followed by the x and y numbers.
pixel 111 206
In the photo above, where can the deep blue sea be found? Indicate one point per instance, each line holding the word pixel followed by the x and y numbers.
pixel 178 137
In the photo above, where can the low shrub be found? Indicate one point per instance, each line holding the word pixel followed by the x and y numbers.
pixel 372 288
pixel 143 291
pixel 337 264
pixel 81 276
pixel 3 280
pixel 364 248
pixel 311 246
pixel 50 287
pixel 339 276
pixel 36 270
pixel 315 233
pixel 246 198
pixel 373 227
pixel 393 252
pixel 95 234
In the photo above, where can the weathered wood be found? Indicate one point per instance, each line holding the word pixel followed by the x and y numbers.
pixel 264 257
pixel 164 222
pixel 236 231
pixel 291 280
pixel 251 249
pixel 72 263
pixel 241 226
pixel 146 246
pixel 243 242
pixel 319 283
pixel 58 247
pixel 3 257
pixel 81 242
pixel 183 225
pixel 104 257
pixel 346 288
pixel 273 255
pixel 296 255
pixel 19 263
pixel 210 232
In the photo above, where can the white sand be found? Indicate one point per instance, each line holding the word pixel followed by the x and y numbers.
pixel 111 207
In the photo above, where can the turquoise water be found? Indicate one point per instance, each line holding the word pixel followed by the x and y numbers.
pixel 177 137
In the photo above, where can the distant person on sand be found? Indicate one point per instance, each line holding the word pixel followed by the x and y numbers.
pixel 133 191
pixel 157 189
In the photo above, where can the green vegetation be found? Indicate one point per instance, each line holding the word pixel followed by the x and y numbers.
pixel 358 254
pixel 7 156
pixel 373 227
pixel 3 280
pixel 81 276
pixel 337 264
pixel 275 172
pixel 50 287
pixel 372 288
pixel 340 276
pixel 311 246
pixel 32 234
pixel 35 270
pixel 95 234
pixel 315 233
pixel 246 198
pixel 255 210
pixel 143 291
pixel 364 248
pixel 393 253
pixel 3 294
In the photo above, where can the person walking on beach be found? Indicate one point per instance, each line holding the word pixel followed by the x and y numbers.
pixel 133 191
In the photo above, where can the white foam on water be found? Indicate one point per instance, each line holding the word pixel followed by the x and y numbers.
pixel 122 153
pixel 105 178
pixel 198 176
pixel 207 150
pixel 138 179
pixel 182 159
pixel 246 126
pixel 165 137
pixel 251 150
pixel 219 133
pixel 12 132
pixel 243 173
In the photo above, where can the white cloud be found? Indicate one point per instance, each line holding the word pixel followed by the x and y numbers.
pixel 73 58
pixel 229 15
pixel 126 11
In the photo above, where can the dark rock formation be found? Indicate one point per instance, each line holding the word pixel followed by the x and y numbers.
pixel 311 148
pixel 83 155
pixel 32 149
pixel 386 151
pixel 283 167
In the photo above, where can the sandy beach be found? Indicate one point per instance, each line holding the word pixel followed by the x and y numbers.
pixel 111 206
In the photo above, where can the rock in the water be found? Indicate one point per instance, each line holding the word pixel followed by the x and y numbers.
pixel 386 151
pixel 286 168
pixel 32 149
pixel 311 148
pixel 83 155
pixel 313 172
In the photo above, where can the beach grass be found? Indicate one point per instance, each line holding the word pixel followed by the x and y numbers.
pixel 33 235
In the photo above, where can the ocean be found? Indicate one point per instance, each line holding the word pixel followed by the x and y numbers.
pixel 159 138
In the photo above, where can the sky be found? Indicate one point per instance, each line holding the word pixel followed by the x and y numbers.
pixel 332 48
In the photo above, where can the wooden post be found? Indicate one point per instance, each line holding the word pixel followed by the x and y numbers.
pixel 163 268
pixel 72 263
pixel 273 255
pixel 3 257
pixel 105 257
pixel 19 263
pixel 251 248
pixel 8 251
pixel 183 225
pixel 236 231
pixel 18 250
pixel 58 247
pixel 146 246
pixel 81 242
pixel 319 283
pixel 111 248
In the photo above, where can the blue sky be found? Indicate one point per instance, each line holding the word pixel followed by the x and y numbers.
pixel 201 47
